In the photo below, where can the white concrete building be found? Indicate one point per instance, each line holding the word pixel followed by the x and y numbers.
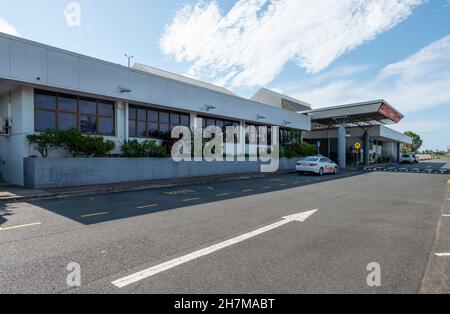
pixel 44 87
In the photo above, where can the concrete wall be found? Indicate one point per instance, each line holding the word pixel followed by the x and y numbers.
pixel 17 106
pixel 65 172
pixel 41 65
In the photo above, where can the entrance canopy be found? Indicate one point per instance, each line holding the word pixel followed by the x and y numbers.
pixel 365 114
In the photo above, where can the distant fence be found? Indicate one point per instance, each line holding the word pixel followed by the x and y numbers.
pixel 42 173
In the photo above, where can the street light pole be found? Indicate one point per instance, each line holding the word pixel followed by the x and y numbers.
pixel 129 59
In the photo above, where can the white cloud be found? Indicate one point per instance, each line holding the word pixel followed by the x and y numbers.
pixel 251 43
pixel 416 83
pixel 7 28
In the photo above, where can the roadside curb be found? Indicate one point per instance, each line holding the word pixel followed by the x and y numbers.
pixel 149 186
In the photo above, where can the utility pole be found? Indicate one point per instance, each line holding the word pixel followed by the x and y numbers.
pixel 129 59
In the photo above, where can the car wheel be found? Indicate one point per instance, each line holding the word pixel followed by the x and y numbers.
pixel 321 172
pixel 336 170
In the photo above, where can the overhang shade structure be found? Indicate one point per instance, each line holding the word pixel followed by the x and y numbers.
pixel 365 114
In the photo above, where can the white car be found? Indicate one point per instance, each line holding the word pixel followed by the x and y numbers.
pixel 318 165
pixel 409 158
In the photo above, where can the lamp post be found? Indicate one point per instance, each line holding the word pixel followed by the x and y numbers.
pixel 129 59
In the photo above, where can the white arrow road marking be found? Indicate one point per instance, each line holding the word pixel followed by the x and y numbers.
pixel 443 254
pixel 152 271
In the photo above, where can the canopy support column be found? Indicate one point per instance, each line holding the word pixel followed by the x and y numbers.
pixel 342 147
pixel 366 148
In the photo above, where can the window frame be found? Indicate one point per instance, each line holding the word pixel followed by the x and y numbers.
pixel 148 121
pixel 78 114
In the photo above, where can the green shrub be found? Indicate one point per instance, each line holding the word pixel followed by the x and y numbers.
pixel 45 142
pixel 132 149
pixel 301 149
pixel 97 146
pixel 151 149
pixel 74 142
pixel 135 149
pixel 71 140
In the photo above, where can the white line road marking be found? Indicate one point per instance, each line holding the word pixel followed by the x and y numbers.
pixel 246 191
pixel 21 226
pixel 210 188
pixel 191 199
pixel 446 216
pixel 94 215
pixel 267 187
pixel 223 194
pixel 147 206
pixel 443 254
pixel 283 185
pixel 152 271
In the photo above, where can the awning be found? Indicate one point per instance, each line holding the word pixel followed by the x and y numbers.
pixel 365 114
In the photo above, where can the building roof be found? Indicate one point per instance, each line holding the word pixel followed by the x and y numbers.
pixel 181 78
pixel 272 98
pixel 370 113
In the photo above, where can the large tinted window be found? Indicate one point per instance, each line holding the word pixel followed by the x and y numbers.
pixel 63 111
pixel 221 123
pixel 146 122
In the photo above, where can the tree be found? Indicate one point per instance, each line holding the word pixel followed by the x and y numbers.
pixel 73 141
pixel 45 142
pixel 417 142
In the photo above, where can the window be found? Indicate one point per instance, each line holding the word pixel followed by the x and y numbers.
pixel 145 122
pixel 223 124
pixel 62 112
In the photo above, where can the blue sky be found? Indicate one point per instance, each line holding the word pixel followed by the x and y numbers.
pixel 325 53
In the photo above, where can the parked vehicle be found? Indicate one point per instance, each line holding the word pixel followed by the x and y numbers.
pixel 409 158
pixel 317 165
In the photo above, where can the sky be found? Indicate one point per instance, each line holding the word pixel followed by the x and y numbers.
pixel 328 52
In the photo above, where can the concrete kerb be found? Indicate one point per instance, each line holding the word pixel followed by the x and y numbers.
pixel 88 191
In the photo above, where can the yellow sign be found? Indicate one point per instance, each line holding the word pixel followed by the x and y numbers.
pixel 358 146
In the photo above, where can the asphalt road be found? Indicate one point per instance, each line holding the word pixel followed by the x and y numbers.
pixel 389 218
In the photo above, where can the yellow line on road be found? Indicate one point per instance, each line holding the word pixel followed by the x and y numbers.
pixel 94 215
pixel 21 226
pixel 147 206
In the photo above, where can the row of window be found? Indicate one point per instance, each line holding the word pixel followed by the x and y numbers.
pixel 95 116
pixel 63 111
pixel 147 122
pixel 221 123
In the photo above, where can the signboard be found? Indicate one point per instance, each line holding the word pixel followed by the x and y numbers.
pixel 357 146
pixel 318 144
pixel 389 113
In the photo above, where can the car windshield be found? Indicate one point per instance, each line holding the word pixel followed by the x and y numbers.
pixel 311 159
pixel 406 156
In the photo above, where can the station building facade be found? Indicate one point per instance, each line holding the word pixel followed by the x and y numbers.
pixel 43 87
